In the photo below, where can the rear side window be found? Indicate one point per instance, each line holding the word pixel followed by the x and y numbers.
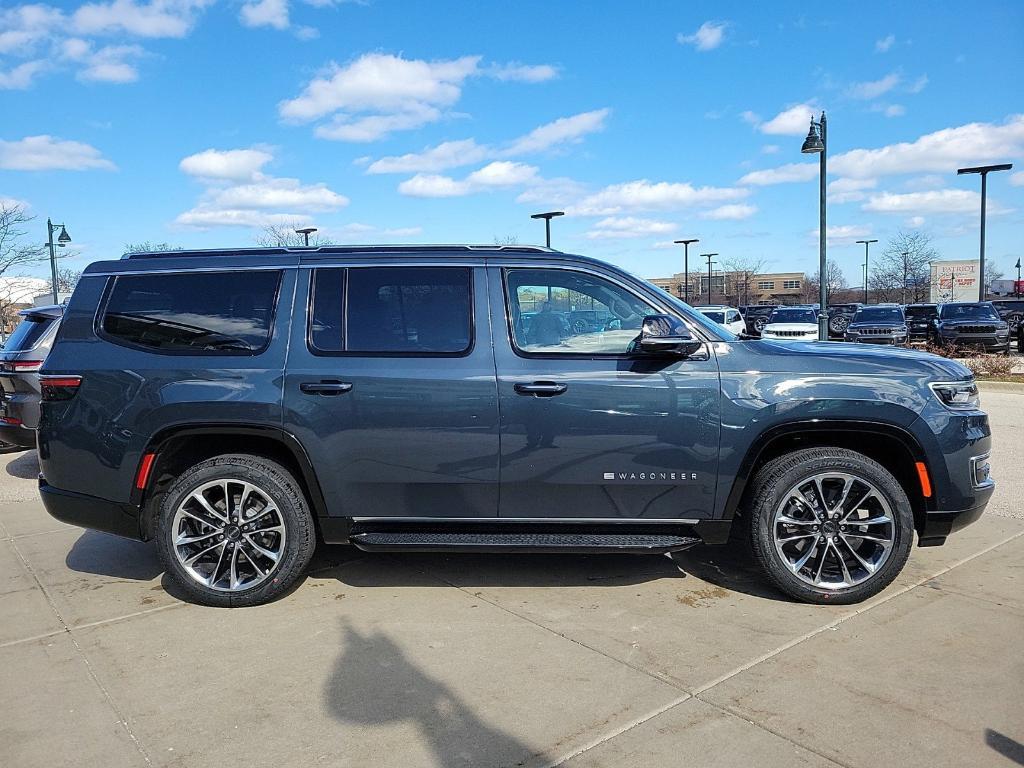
pixel 211 313
pixel 28 333
pixel 392 310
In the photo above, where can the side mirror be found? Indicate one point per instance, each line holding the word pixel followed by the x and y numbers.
pixel 667 335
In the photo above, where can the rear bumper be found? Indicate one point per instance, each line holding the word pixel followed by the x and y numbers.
pixel 90 512
pixel 17 435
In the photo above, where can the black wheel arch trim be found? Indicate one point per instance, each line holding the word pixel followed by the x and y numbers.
pixel 816 427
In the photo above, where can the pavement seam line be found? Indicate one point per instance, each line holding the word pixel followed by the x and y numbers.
pixel 697 693
pixel 85 659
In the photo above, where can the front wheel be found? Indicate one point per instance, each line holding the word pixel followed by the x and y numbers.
pixel 235 530
pixel 829 525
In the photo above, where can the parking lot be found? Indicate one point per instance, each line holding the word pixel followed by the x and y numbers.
pixel 447 660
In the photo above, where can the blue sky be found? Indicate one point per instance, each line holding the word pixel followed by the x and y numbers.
pixel 198 122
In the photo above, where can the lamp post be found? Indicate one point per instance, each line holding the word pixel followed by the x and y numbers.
pixel 711 291
pixel 686 266
pixel 904 294
pixel 548 216
pixel 306 232
pixel 62 239
pixel 866 244
pixel 1016 286
pixel 984 171
pixel 817 143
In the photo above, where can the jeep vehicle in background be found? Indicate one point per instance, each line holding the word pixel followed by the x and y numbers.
pixel 878 324
pixel 755 317
pixel 921 320
pixel 728 317
pixel 1010 310
pixel 971 324
pixel 20 360
pixel 236 406
pixel 839 318
pixel 792 324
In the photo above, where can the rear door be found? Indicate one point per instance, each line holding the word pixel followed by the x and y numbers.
pixel 391 388
pixel 589 429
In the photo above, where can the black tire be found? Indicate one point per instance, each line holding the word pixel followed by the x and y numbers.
pixel 777 477
pixel 298 543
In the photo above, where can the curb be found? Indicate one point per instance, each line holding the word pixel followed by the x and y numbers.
pixel 1001 386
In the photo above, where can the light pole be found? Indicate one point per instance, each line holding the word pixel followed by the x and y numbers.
pixel 306 232
pixel 62 239
pixel 984 171
pixel 866 244
pixel 686 266
pixel 904 295
pixel 711 291
pixel 548 216
pixel 817 143
pixel 1016 286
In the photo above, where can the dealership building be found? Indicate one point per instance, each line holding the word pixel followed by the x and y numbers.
pixel 736 288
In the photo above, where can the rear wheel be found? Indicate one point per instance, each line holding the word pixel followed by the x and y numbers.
pixel 235 531
pixel 829 525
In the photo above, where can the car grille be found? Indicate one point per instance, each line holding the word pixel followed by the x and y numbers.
pixel 975 329
pixel 794 334
pixel 876 331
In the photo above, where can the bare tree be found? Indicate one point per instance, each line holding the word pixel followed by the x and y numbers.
pixel 835 284
pixel 145 246
pixel 741 271
pixel 903 272
pixel 14 252
pixel 16 293
pixel 67 279
pixel 285 236
pixel 992 273
pixel 506 240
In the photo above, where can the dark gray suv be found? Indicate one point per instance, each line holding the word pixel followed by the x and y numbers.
pixel 236 406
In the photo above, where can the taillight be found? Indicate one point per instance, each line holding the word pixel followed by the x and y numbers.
pixel 56 387
pixel 21 366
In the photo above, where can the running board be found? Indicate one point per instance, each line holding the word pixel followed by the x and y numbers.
pixel 592 543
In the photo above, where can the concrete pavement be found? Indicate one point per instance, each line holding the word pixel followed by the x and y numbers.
pixel 470 660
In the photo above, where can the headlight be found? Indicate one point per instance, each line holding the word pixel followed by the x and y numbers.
pixel 957 395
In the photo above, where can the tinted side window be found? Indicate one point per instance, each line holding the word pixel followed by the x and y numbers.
pixel 28 332
pixel 411 310
pixel 221 313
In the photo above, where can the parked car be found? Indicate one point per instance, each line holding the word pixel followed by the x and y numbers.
pixel 755 317
pixel 792 324
pixel 921 320
pixel 1010 310
pixel 1020 338
pixel 20 361
pixel 236 406
pixel 727 317
pixel 878 324
pixel 974 324
pixel 839 318
pixel 590 321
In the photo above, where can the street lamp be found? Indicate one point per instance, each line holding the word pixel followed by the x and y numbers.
pixel 306 232
pixel 548 216
pixel 686 266
pixel 1016 286
pixel 817 143
pixel 708 256
pixel 904 295
pixel 866 243
pixel 62 240
pixel 984 171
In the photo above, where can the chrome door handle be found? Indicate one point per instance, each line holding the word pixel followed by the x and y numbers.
pixel 541 388
pixel 325 387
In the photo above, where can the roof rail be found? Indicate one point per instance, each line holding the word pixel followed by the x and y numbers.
pixel 340 249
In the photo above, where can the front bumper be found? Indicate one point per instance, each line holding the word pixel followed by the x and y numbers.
pixel 90 511
pixel 875 339
pixel 938 525
pixel 989 343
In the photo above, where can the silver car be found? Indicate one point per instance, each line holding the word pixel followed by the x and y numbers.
pixel 20 361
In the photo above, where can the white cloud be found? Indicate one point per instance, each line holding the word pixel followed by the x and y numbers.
pixel 265 13
pixel 874 88
pixel 615 228
pixel 492 176
pixel 453 154
pixel 849 190
pixel 502 174
pixel 643 195
pixel 750 117
pixel 432 185
pixel 24 26
pixel 20 77
pixel 770 149
pixel 732 212
pixel 157 18
pixel 276 193
pixel 373 127
pixel 558 191
pixel 931 202
pixel 709 36
pixel 205 218
pixel 915 221
pixel 230 165
pixel 110 63
pixel 841 234
pixel 525 73
pixel 894 110
pixel 783 174
pixel 887 42
pixel 793 121
pixel 918 85
pixel 46 153
pixel 1017 179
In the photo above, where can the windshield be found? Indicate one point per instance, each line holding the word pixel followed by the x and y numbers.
pixel 28 333
pixel 879 315
pixel 714 314
pixel 923 312
pixel 968 312
pixel 793 316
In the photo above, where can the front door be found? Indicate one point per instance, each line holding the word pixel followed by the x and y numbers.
pixel 589 428
pixel 391 390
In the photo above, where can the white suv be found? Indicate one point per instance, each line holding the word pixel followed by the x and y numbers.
pixel 728 317
pixel 792 324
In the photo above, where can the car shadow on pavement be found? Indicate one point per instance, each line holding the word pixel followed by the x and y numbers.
pixel 107 555
pixel 25 467
pixel 1010 749
pixel 375 684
